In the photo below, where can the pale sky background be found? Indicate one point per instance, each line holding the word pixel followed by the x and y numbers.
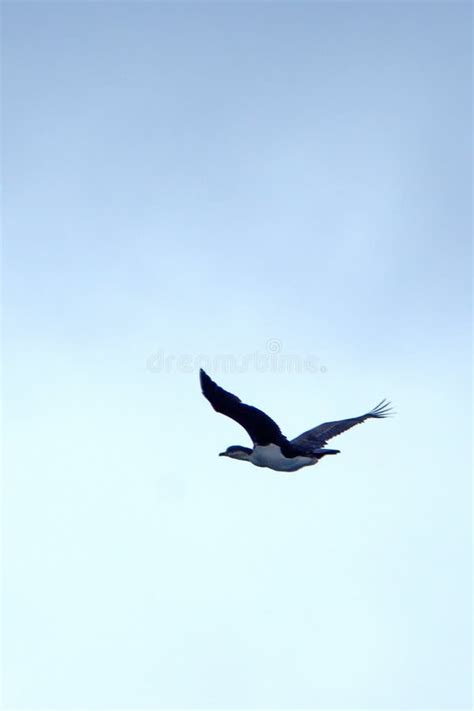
pixel 208 179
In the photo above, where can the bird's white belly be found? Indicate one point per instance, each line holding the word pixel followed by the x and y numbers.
pixel 270 456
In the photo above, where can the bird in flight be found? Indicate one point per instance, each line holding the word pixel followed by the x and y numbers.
pixel 270 447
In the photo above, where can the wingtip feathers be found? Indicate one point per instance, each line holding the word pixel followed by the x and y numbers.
pixel 383 409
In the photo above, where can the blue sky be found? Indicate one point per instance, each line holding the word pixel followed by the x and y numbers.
pixel 209 180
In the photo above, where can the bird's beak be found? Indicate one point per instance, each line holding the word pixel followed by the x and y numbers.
pixel 222 454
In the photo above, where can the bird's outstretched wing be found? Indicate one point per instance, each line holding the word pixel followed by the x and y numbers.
pixel 261 428
pixel 320 435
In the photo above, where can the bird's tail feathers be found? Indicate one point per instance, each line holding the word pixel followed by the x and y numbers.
pixel 322 452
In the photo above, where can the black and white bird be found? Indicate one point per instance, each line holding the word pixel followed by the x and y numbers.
pixel 270 447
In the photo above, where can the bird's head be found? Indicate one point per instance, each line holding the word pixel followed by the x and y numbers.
pixel 235 451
